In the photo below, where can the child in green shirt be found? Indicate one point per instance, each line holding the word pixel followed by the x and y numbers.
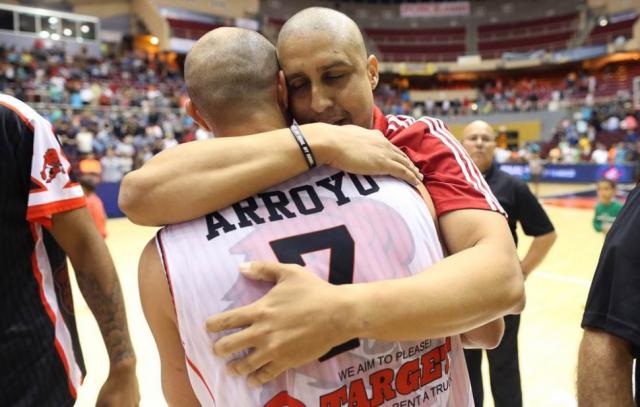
pixel 607 208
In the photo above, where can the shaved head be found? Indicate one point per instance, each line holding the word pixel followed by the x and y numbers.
pixel 319 20
pixel 479 139
pixel 329 76
pixel 231 71
pixel 481 127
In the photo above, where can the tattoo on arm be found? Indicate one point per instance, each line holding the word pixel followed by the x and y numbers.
pixel 107 305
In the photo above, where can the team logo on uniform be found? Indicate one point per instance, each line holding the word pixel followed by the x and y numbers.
pixel 52 165
pixel 393 259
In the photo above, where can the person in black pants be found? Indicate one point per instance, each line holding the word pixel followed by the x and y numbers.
pixel 611 321
pixel 522 206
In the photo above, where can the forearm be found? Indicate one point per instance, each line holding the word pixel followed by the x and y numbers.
pixel 487 336
pixel 456 295
pixel 604 371
pixel 197 178
pixel 180 393
pixel 100 287
pixel 538 250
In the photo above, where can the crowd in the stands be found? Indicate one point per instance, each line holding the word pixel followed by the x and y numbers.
pixel 115 112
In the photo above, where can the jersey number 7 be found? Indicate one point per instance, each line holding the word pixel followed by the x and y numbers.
pixel 340 243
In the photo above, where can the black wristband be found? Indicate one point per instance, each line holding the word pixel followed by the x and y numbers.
pixel 304 146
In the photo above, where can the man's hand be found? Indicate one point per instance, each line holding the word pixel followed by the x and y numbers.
pixel 283 331
pixel 367 152
pixel 538 250
pixel 120 389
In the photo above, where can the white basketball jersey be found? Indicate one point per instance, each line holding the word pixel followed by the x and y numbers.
pixel 346 229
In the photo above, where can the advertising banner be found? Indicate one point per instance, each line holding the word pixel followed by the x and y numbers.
pixel 456 8
pixel 576 173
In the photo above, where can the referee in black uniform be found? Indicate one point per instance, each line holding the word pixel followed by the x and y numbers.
pixel 521 206
pixel 611 321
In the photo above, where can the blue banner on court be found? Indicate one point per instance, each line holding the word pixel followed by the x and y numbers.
pixel 579 173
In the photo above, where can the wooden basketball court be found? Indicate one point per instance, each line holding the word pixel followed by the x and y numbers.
pixel 549 334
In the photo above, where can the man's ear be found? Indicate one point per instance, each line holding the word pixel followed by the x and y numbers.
pixel 192 111
pixel 283 93
pixel 372 71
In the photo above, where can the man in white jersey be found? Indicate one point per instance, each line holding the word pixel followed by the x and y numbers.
pixel 343 227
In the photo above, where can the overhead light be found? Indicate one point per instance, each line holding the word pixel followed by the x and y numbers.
pixel 154 40
pixel 67 32
pixel 84 28
pixel 603 22
pixel 44 34
pixel 53 20
pixel 55 36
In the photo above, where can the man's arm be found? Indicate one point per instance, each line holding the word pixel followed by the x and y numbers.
pixel 604 370
pixel 535 222
pixel 197 178
pixel 77 235
pixel 538 250
pixel 479 283
pixel 487 336
pixel 160 314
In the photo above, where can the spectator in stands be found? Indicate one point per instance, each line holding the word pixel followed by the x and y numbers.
pixel 536 167
pixel 90 166
pixel 612 123
pixel 84 141
pixel 584 148
pixel 111 167
pixel 607 208
pixel 169 141
pixel 633 154
pixel 103 139
pixel 592 83
pixel 600 155
pixel 94 204
pixel 502 155
pixel 126 151
pixel 570 82
pixel 479 140
pixel 620 153
pixel 570 154
pixel 142 156
pixel 630 123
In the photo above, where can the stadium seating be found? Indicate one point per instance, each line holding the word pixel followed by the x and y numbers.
pixel 551 34
pixel 190 30
pixel 419 45
pixel 608 34
pixel 617 79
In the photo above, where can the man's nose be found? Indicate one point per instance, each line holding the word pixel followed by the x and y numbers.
pixel 320 100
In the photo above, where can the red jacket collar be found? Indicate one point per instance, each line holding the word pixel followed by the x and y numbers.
pixel 379 120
